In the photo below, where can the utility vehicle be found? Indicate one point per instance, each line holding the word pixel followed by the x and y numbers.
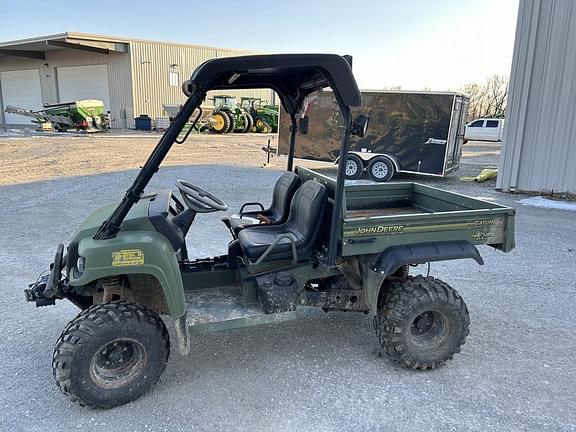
pixel 323 243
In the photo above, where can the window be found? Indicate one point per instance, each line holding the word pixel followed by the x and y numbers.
pixel 477 123
pixel 492 123
pixel 174 76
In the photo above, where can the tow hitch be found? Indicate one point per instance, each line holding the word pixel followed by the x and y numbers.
pixel 47 287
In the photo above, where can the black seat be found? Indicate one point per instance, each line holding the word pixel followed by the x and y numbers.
pixel 302 226
pixel 284 190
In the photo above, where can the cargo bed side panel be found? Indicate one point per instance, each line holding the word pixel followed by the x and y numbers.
pixel 382 215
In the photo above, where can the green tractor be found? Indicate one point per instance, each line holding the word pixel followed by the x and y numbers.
pixel 322 243
pixel 265 116
pixel 227 117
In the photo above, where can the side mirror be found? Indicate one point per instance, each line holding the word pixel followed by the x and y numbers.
pixel 360 125
pixel 303 125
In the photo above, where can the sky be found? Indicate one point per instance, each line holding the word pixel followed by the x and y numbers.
pixel 415 44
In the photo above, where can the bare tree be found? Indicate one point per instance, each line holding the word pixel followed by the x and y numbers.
pixel 497 89
pixel 488 99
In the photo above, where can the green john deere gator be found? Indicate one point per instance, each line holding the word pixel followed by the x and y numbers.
pixel 322 242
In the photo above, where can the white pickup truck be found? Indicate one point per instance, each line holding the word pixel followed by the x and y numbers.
pixel 484 129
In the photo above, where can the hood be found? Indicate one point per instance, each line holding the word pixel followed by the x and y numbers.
pixel 137 219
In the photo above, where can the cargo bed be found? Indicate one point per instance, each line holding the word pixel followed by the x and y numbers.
pixel 379 215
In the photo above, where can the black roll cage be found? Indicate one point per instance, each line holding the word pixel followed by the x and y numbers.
pixel 293 77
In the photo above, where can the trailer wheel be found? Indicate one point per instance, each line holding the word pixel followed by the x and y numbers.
pixel 354 166
pixel 221 122
pixel 110 354
pixel 421 322
pixel 380 169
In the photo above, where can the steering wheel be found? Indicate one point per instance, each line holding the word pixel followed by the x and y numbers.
pixel 198 199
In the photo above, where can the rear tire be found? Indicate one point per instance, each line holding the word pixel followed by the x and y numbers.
pixel 354 166
pixel 232 124
pixel 421 322
pixel 380 169
pixel 249 123
pixel 110 354
pixel 240 124
pixel 221 122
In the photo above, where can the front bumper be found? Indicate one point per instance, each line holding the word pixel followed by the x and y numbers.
pixel 48 287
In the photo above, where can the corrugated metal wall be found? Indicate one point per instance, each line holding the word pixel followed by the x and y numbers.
pixel 138 80
pixel 151 63
pixel 119 77
pixel 539 143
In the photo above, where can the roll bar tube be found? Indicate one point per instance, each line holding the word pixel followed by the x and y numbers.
pixel 292 144
pixel 111 226
pixel 339 191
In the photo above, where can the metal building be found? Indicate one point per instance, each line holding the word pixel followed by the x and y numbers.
pixel 131 76
pixel 539 142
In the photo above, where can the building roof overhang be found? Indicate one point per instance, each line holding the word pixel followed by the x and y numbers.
pixel 37 47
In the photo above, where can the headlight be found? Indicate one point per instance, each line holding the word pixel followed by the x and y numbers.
pixel 81 264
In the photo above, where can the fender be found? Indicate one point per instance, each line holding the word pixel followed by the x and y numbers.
pixel 132 252
pixel 378 266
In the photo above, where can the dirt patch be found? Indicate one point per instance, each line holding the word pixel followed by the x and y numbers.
pixel 28 157
pixel 35 158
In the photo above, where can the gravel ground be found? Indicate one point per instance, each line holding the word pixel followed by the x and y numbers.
pixel 320 372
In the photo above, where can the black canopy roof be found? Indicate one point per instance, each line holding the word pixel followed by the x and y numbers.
pixel 292 76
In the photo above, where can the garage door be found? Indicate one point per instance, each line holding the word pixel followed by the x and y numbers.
pixel 83 82
pixel 20 89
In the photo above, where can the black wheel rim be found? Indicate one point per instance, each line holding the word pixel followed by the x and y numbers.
pixel 429 329
pixel 118 363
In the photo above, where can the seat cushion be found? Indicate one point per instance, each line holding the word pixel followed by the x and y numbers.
pixel 239 222
pixel 302 224
pixel 284 190
pixel 256 239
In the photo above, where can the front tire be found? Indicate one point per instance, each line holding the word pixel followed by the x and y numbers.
pixel 421 322
pixel 262 126
pixel 110 354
